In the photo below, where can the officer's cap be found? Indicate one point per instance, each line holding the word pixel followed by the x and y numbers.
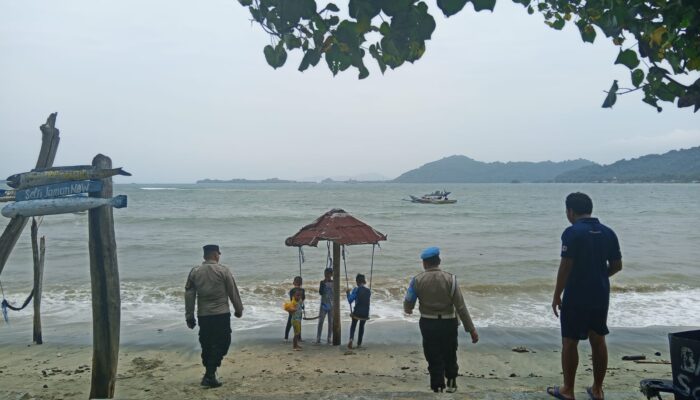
pixel 430 252
pixel 210 248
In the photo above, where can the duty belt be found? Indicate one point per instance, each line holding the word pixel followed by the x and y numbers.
pixel 439 316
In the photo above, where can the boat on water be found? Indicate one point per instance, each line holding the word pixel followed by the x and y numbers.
pixel 437 197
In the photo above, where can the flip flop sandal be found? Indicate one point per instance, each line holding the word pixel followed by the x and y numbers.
pixel 554 392
pixel 589 390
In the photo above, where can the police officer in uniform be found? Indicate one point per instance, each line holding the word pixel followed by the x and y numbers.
pixel 441 302
pixel 212 285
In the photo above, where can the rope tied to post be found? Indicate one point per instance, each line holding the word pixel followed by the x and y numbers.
pixel 6 304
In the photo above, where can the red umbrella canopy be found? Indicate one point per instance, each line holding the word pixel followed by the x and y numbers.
pixel 338 226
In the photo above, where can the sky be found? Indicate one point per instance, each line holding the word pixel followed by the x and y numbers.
pixel 175 91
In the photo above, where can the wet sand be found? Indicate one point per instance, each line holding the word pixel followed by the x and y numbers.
pixel 166 364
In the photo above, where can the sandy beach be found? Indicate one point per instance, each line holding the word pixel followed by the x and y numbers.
pixel 261 365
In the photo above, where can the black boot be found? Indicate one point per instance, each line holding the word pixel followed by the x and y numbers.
pixel 209 378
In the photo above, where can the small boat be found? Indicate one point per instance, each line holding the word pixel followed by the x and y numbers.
pixel 437 197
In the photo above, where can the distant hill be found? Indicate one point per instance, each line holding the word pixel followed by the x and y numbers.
pixel 674 166
pixel 462 169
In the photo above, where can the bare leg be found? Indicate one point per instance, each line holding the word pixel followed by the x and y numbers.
pixel 321 317
pixel 599 351
pixel 569 364
pixel 330 326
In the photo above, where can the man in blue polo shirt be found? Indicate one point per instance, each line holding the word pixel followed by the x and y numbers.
pixel 590 255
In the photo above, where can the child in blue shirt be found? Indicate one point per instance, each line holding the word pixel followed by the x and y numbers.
pixel 360 296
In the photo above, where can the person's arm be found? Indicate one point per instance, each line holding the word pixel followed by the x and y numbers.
pixel 321 288
pixel 409 301
pixel 352 296
pixel 615 257
pixel 463 312
pixel 565 267
pixel 614 267
pixel 190 298
pixel 233 295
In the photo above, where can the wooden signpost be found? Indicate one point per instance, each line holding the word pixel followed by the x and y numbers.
pixel 48 190
pixel 106 301
pixel 38 251
pixel 49 145
pixel 58 190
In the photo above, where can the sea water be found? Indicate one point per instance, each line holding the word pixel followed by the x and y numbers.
pixel 501 240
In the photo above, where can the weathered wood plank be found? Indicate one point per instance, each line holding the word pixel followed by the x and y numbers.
pixel 60 205
pixel 106 300
pixel 49 142
pixel 336 294
pixel 57 190
pixel 49 145
pixel 38 252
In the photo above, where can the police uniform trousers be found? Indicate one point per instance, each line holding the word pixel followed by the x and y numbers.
pixel 440 349
pixel 215 338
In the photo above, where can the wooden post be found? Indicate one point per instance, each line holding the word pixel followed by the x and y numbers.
pixel 38 252
pixel 336 294
pixel 106 301
pixel 49 145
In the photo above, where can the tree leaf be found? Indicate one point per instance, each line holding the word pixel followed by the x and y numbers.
pixel 628 58
pixel 657 36
pixel 364 9
pixel 588 33
pixel 637 77
pixel 558 24
pixel 291 41
pixel 331 7
pixel 374 51
pixel 245 3
pixel 275 56
pixel 364 72
pixel 611 98
pixel 484 4
pixel 394 7
pixel 451 7
pixel 312 57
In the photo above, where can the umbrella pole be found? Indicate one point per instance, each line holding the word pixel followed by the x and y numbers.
pixel 336 294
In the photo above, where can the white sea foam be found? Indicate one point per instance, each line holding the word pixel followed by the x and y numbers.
pixel 142 305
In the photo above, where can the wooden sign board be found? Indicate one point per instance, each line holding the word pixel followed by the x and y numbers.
pixel 58 190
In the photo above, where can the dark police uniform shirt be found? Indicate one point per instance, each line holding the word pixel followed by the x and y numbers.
pixel 591 245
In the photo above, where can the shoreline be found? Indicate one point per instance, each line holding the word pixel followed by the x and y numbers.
pixel 260 364
pixel 381 332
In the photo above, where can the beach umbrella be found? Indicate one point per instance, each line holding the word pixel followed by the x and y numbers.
pixel 340 228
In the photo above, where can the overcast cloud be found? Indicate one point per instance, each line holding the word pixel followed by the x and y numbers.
pixel 176 91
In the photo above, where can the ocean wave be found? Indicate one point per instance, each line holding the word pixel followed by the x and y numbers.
pixel 158 304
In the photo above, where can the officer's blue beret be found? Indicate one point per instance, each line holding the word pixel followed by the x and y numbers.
pixel 430 252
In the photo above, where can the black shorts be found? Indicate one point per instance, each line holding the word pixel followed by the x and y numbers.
pixel 577 321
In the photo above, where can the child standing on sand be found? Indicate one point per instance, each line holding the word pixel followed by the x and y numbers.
pixel 297 287
pixel 296 315
pixel 360 295
pixel 325 289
